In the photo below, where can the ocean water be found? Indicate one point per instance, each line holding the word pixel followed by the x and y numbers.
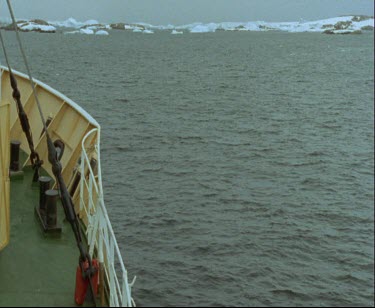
pixel 238 167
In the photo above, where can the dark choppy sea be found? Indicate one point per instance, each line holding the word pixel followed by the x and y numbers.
pixel 238 167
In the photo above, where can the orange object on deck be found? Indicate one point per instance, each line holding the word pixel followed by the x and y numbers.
pixel 83 285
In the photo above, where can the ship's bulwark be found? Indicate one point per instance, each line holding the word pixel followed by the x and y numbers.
pixel 4 172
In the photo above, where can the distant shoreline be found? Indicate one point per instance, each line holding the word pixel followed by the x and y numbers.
pixel 349 24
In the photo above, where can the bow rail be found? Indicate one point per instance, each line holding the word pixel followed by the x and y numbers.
pixel 100 236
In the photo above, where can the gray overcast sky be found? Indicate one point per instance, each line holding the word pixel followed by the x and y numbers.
pixel 186 11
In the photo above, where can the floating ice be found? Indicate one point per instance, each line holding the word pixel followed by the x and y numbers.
pixel 86 31
pixel 101 32
pixel 71 32
pixel 147 31
pixel 176 32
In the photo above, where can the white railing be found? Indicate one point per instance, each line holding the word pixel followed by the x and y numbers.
pixel 100 235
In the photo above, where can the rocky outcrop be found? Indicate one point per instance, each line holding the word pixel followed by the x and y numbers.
pixel 240 28
pixel 361 18
pixel 352 26
pixel 126 26
pixel 118 26
pixel 94 26
pixel 342 25
pixel 367 28
pixel 40 22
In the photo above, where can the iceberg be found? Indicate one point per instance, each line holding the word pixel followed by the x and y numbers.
pixel 86 31
pixel 101 32
pixel 147 31
pixel 204 28
pixel 73 23
pixel 69 23
pixel 176 32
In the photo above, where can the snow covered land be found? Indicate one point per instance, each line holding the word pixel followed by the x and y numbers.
pixel 348 23
pixel 35 25
pixel 336 25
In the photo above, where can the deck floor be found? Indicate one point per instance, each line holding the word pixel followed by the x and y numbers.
pixel 36 269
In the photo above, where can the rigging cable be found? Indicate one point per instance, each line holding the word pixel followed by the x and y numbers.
pixel 66 199
pixel 34 156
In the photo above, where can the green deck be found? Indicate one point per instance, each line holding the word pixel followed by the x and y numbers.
pixel 36 269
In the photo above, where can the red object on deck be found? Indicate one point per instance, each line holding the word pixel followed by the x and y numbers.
pixel 83 285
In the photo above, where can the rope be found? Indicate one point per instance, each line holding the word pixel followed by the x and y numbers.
pixel 27 65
